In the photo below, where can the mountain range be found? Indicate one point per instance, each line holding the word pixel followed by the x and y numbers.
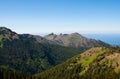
pixel 67 56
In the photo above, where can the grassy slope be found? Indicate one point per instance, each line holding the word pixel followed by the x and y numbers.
pixel 84 66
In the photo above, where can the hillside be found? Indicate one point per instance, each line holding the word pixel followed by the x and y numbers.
pixel 95 63
pixel 30 54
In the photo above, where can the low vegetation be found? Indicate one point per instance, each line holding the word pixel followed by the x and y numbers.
pixel 92 64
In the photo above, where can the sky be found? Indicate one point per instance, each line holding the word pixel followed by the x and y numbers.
pixel 61 16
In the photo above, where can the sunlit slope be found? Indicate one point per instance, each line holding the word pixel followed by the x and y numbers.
pixel 95 63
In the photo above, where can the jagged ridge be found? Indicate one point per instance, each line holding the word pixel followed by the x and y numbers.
pixel 74 40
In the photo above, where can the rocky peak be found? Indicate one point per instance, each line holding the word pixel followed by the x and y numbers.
pixel 77 35
pixel 51 36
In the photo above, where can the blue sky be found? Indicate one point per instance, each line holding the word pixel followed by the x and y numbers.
pixel 66 16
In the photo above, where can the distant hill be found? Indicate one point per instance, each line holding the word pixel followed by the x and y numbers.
pixel 95 63
pixel 74 40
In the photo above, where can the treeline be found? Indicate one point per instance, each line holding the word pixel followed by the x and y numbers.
pixel 8 74
pixel 14 75
pixel 63 73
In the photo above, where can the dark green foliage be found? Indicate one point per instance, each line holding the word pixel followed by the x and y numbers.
pixel 7 74
pixel 27 55
pixel 94 71
pixel 67 71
